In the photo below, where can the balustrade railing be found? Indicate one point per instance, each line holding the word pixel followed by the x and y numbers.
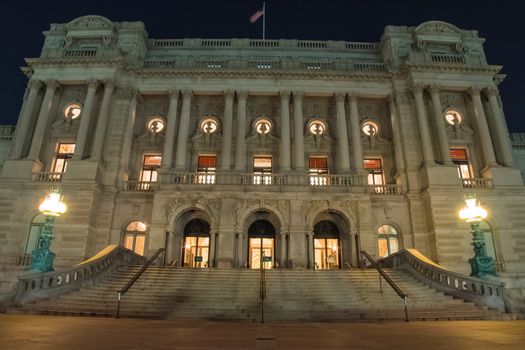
pixel 6 132
pixel 480 291
pixel 139 186
pixel 34 285
pixel 477 183
pixel 92 52
pixel 517 139
pixel 387 190
pixel 447 58
pixel 47 176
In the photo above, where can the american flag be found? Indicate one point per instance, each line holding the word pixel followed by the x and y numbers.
pixel 256 15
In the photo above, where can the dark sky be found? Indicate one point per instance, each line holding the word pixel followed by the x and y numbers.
pixel 499 22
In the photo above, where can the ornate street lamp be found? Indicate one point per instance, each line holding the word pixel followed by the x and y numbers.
pixel 42 258
pixel 481 265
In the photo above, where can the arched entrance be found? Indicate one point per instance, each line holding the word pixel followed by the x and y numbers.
pixel 327 252
pixel 196 246
pixel 261 245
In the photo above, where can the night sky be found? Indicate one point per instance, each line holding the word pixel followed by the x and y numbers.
pixel 499 22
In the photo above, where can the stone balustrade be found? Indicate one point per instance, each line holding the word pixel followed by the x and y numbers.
pixel 488 292
pixel 6 132
pixel 477 183
pixel 34 286
pixel 47 176
pixel 447 58
pixel 387 190
pixel 138 186
pixel 517 139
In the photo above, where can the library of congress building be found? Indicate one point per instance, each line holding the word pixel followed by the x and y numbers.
pixel 225 150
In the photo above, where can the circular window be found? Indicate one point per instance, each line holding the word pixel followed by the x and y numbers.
pixel 156 125
pixel 72 111
pixel 370 128
pixel 209 126
pixel 317 127
pixel 453 117
pixel 263 126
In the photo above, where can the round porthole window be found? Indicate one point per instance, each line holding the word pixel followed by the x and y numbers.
pixel 370 128
pixel 72 111
pixel 453 118
pixel 317 127
pixel 263 126
pixel 209 126
pixel 156 125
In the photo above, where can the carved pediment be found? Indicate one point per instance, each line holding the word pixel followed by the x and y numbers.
pixel 437 27
pixel 91 22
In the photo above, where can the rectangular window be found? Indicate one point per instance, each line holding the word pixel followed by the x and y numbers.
pixel 318 171
pixel 262 170
pixel 459 157
pixel 374 167
pixel 64 154
pixel 150 166
pixel 206 168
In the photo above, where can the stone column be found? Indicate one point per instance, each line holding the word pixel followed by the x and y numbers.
pixel 102 123
pixel 355 128
pixel 178 243
pixel 285 131
pixel 22 129
pixel 239 249
pixel 169 139
pixel 282 253
pixel 129 94
pixel 422 123
pixel 502 137
pixel 184 129
pixel 398 147
pixel 439 120
pixel 211 257
pixel 483 129
pixel 298 130
pixel 342 133
pixel 311 252
pixel 85 120
pixel 227 131
pixel 240 140
pixel 42 121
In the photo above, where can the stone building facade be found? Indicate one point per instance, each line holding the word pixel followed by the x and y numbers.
pixel 223 150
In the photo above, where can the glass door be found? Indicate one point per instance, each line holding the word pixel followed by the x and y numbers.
pixel 261 252
pixel 326 253
pixel 196 251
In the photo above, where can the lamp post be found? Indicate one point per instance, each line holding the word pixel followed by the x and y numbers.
pixel 480 264
pixel 42 258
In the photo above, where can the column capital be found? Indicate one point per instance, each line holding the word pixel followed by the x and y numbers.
pixel 52 84
pixel 299 95
pixel 492 91
pixel 353 95
pixel 434 89
pixel 418 88
pixel 92 84
pixel 173 93
pixel 187 93
pixel 109 83
pixel 285 95
pixel 229 93
pixel 35 84
pixel 242 95
pixel 340 96
pixel 475 91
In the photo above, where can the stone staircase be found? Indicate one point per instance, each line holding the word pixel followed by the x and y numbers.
pixel 291 295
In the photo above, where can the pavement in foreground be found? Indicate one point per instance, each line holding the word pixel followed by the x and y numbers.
pixel 20 332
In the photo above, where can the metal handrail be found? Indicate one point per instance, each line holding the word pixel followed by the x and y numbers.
pixel 387 278
pixel 135 277
pixel 262 290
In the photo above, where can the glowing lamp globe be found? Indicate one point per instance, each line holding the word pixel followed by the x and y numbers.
pixel 52 204
pixel 472 211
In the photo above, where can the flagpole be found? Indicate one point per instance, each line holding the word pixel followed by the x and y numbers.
pixel 264 20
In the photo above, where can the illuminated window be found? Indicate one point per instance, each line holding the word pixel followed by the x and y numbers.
pixel 150 166
pixel 263 126
pixel 206 167
pixel 135 237
pixel 317 127
pixel 375 171
pixel 387 241
pixel 35 230
pixel 370 128
pixel 318 170
pixel 72 111
pixel 156 125
pixel 262 170
pixel 459 157
pixel 209 126
pixel 453 118
pixel 64 154
pixel 196 244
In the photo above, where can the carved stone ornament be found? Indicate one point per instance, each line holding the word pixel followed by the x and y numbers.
pixel 90 23
pixel 437 27
pixel 169 207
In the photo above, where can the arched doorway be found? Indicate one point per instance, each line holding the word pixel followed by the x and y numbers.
pixel 196 247
pixel 327 252
pixel 261 245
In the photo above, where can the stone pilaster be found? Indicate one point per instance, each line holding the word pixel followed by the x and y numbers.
pixel 483 129
pixel 285 131
pixel 100 132
pixel 342 134
pixel 85 120
pixel 227 131
pixel 240 140
pixel 43 120
pixel 422 123
pixel 357 147
pixel 298 130
pixel 439 120
pixel 169 139
pixel 184 129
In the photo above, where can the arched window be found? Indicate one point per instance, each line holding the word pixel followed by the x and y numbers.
pixel 387 241
pixel 488 237
pixel 135 237
pixel 196 243
pixel 35 230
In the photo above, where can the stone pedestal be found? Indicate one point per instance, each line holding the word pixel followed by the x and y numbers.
pixel 441 175
pixel 225 242
pixel 22 169
pixel 502 176
pixel 82 170
pixel 298 250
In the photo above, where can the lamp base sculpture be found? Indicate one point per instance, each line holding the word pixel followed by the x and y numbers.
pixel 481 265
pixel 42 258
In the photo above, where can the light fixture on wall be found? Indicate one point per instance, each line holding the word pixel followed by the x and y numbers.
pixel 481 265
pixel 42 258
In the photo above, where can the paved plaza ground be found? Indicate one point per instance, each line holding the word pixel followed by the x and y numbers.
pixel 22 332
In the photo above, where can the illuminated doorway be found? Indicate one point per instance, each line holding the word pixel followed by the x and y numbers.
pixel 261 250
pixel 327 252
pixel 196 248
